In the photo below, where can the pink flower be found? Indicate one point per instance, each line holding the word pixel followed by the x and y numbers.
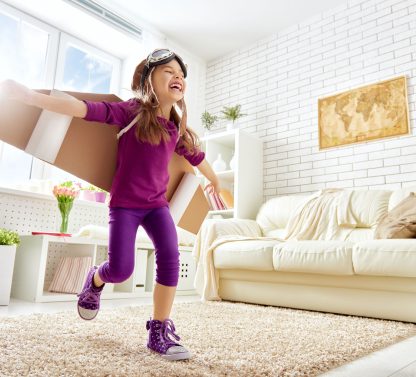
pixel 65 193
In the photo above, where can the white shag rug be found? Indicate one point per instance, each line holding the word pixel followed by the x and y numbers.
pixel 226 339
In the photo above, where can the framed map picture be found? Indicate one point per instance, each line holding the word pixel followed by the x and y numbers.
pixel 369 112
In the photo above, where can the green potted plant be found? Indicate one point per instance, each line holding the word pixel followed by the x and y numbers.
pixel 232 113
pixel 8 243
pixel 208 120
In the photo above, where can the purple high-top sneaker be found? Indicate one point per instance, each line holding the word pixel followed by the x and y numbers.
pixel 160 342
pixel 89 298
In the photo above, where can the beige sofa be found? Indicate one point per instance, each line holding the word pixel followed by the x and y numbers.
pixel 358 275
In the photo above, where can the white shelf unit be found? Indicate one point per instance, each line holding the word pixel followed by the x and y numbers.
pixel 245 182
pixel 37 258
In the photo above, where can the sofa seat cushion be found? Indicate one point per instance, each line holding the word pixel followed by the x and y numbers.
pixel 391 257
pixel 315 257
pixel 247 255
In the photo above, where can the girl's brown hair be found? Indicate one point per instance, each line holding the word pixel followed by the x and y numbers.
pixel 149 129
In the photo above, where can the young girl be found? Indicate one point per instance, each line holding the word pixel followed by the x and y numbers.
pixel 151 131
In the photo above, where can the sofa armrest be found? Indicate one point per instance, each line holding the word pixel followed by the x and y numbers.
pixel 212 229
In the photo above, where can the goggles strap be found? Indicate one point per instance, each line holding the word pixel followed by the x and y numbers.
pixel 125 129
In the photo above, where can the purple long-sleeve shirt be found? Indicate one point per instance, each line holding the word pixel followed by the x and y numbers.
pixel 141 176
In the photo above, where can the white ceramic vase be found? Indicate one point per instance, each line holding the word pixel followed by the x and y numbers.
pixel 230 126
pixel 219 164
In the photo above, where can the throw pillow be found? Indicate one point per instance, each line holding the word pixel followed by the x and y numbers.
pixel 400 222
pixel 70 274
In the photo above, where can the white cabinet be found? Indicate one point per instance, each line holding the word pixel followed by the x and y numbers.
pixel 37 258
pixel 245 180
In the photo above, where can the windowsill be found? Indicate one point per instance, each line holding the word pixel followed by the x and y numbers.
pixel 39 195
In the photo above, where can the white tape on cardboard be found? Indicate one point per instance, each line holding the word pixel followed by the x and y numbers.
pixel 183 195
pixel 49 133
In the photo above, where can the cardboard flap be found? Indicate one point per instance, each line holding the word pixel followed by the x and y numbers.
pixel 195 213
pixel 89 150
pixel 17 122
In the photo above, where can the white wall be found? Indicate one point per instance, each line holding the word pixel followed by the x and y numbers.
pixel 279 79
pixel 195 89
pixel 194 96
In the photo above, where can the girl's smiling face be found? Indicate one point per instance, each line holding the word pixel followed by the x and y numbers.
pixel 168 82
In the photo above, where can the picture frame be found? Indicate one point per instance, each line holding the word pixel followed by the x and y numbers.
pixel 365 113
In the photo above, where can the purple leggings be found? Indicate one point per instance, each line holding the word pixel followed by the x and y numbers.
pixel 159 226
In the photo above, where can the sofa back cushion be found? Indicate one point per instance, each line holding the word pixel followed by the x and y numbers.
pixel 369 206
pixel 275 213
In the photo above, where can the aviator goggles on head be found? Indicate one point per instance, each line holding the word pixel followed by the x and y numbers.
pixel 158 57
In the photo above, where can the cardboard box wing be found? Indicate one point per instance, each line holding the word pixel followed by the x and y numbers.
pixel 88 150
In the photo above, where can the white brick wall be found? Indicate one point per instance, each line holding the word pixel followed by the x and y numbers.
pixel 279 79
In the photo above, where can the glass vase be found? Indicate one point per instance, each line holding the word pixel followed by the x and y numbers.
pixel 64 208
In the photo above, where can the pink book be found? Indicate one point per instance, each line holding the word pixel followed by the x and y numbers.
pixel 218 201
pixel 214 201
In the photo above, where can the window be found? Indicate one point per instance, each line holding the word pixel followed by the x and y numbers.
pixel 26 48
pixel 80 68
pixel 24 45
pixel 40 56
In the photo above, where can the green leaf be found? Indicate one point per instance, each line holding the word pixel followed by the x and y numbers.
pixel 8 237
pixel 232 112
pixel 208 119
